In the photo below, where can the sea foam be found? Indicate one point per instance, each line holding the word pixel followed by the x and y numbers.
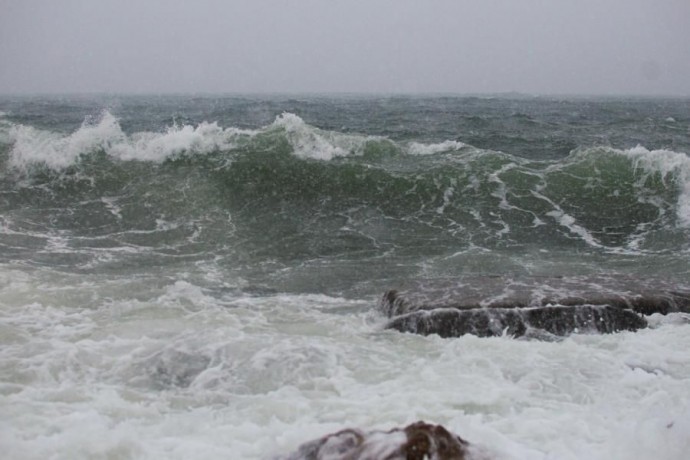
pixel 310 142
pixel 31 146
pixel 673 167
pixel 94 371
pixel 35 146
pixel 202 139
pixel 416 148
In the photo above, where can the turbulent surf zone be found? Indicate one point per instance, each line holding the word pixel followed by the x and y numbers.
pixel 201 274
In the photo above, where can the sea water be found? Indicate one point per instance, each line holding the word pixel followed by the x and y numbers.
pixel 197 276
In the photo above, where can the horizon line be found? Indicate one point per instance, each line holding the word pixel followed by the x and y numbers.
pixel 503 94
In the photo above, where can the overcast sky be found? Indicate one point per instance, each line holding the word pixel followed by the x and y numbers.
pixel 390 46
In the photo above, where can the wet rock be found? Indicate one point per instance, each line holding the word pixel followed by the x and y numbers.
pixel 419 441
pixel 517 322
pixel 491 306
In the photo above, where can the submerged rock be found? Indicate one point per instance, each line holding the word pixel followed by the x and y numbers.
pixel 419 441
pixel 491 306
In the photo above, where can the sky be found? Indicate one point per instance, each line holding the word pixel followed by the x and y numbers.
pixel 599 47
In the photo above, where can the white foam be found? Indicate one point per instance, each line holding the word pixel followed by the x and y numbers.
pixel 347 444
pixel 111 205
pixel 202 139
pixel 416 148
pixel 33 146
pixel 57 151
pixel 672 167
pixel 501 191
pixel 569 222
pixel 126 368
pixel 310 142
pixel 447 197
pixel 669 164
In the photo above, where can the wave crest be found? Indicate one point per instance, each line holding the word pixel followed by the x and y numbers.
pixel 416 148
pixel 310 142
pixel 671 166
pixel 31 146
pixel 202 139
pixel 34 146
pixel 670 169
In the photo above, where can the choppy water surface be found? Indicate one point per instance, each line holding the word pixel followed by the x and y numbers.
pixel 195 276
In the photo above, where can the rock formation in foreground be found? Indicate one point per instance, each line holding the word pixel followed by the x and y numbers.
pixel 419 441
pixel 537 306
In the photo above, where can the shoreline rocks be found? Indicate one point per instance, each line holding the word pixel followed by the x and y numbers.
pixel 538 306
pixel 418 441
pixel 517 322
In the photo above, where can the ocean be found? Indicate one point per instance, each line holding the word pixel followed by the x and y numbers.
pixel 198 276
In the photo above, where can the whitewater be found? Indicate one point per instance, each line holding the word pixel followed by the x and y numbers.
pixel 198 276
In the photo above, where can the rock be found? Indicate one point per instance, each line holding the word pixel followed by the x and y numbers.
pixel 517 322
pixel 490 306
pixel 419 441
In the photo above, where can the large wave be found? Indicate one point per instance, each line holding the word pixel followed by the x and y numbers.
pixel 31 146
pixel 602 196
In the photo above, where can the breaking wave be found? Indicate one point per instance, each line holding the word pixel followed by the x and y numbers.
pixel 430 149
pixel 31 146
pixel 600 196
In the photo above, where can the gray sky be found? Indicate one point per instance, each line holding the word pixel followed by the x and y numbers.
pixel 461 46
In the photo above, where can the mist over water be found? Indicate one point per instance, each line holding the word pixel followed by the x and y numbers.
pixel 185 276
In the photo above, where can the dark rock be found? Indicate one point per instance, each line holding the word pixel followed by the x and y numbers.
pixel 490 306
pixel 488 322
pixel 418 441
pixel 646 296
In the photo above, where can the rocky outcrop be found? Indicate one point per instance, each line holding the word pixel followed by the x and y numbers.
pixel 419 441
pixel 517 322
pixel 491 306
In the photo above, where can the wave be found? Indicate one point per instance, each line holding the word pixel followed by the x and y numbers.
pixel 672 166
pixel 602 196
pixel 648 172
pixel 310 142
pixel 31 146
pixel 417 148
